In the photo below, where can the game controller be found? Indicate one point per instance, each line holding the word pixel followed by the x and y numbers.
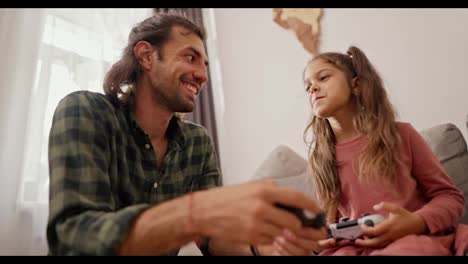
pixel 307 218
pixel 351 229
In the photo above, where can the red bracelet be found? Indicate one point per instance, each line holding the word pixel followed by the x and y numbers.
pixel 191 211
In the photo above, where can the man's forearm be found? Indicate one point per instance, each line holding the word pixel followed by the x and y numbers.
pixel 159 230
pixel 224 248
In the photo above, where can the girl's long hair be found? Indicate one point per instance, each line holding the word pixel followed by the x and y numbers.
pixel 375 117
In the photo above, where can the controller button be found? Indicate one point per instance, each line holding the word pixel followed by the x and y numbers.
pixel 369 222
pixel 344 219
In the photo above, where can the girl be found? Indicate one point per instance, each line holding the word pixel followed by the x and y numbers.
pixel 364 161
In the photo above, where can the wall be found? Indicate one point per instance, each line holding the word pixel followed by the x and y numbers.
pixel 264 102
pixel 421 54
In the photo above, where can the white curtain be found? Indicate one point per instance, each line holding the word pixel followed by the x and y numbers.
pixel 46 54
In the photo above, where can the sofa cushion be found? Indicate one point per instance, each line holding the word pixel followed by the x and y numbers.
pixel 287 168
pixel 449 146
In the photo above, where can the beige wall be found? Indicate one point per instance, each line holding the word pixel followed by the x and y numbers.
pixel 422 55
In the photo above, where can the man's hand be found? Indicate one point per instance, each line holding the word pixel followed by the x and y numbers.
pixel 246 213
pixel 304 243
pixel 400 223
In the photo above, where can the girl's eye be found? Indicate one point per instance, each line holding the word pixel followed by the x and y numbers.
pixel 323 78
pixel 307 89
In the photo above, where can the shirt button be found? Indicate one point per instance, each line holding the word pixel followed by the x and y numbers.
pixel 147 146
pixel 155 185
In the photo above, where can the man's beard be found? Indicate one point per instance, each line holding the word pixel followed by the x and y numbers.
pixel 175 102
pixel 180 106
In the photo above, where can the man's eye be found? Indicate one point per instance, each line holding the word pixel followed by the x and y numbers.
pixel 189 58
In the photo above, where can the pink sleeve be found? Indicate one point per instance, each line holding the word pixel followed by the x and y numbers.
pixel 445 201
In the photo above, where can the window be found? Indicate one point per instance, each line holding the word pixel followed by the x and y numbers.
pixel 78 46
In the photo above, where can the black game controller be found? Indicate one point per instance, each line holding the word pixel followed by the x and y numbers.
pixel 307 218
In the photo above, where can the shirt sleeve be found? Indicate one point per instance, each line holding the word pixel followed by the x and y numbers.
pixel 211 173
pixel 445 201
pixel 83 218
pixel 210 178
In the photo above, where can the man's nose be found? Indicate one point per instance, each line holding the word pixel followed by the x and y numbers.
pixel 201 75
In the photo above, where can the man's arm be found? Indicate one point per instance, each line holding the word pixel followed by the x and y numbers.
pixel 83 218
pixel 212 212
pixel 302 243
pixel 212 178
pixel 160 229
pixel 221 247
pixel 231 216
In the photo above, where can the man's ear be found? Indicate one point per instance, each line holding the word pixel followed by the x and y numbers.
pixel 144 54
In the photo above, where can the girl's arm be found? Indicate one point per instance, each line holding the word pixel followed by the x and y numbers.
pixel 445 201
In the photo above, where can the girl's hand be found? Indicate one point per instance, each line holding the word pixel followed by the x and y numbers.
pixel 400 222
pixel 331 243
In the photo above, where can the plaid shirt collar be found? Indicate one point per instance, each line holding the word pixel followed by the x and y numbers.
pixel 174 131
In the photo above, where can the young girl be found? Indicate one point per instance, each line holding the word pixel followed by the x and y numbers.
pixel 365 162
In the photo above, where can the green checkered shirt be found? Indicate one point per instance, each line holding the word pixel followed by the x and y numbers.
pixel 103 172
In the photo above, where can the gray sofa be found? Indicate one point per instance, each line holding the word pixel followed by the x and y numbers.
pixel 446 141
pixel 448 144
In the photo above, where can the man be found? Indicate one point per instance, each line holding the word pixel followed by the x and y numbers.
pixel 128 177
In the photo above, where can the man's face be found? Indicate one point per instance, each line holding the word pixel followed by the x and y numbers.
pixel 177 78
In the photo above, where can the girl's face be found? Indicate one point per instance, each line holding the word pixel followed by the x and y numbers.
pixel 329 89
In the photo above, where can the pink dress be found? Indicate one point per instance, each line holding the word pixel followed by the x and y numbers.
pixel 423 187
